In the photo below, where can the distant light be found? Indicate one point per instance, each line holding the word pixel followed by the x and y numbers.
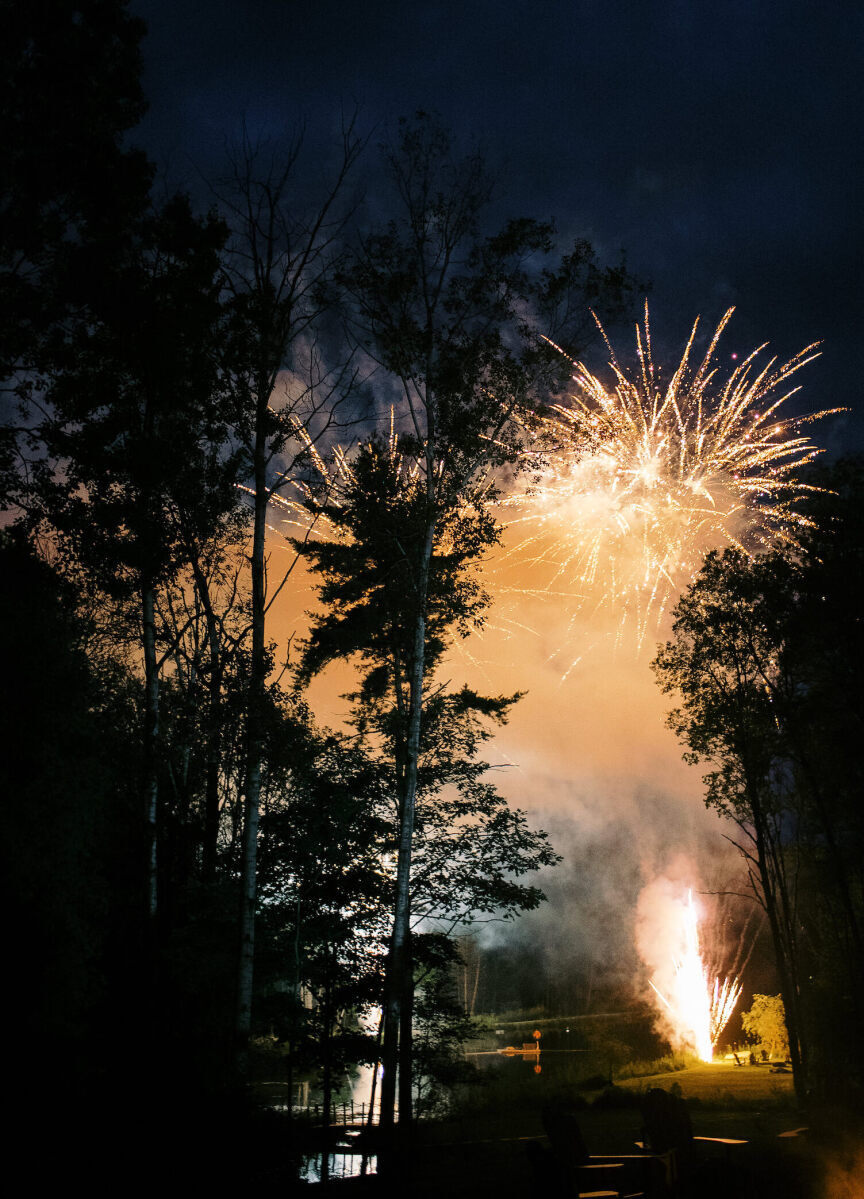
pixel 733 356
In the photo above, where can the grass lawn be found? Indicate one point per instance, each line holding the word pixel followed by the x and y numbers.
pixel 721 1082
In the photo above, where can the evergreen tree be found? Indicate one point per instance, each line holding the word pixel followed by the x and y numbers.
pixel 467 848
pixel 455 316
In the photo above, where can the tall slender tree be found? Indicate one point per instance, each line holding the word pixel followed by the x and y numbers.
pixel 762 657
pixel 279 284
pixel 135 434
pixel 723 661
pixel 454 316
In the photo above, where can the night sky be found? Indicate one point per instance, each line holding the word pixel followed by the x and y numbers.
pixel 718 145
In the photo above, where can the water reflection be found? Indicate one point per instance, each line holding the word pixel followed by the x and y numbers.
pixel 341 1164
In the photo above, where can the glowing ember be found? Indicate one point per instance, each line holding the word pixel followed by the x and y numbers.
pixel 648 476
pixel 693 1007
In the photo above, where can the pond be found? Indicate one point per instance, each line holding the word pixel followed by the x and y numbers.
pixel 567 1051
pixel 341 1163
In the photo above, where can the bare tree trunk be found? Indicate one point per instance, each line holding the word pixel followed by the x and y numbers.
pixel 210 846
pixel 373 1089
pixel 327 1080
pixel 781 923
pixel 254 750
pixel 399 963
pixel 406 1044
pixel 151 737
pixel 282 259
pixel 213 722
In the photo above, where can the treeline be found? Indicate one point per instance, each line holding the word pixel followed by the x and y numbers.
pixel 767 659
pixel 193 860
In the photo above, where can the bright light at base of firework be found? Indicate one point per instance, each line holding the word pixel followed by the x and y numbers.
pixel 696 1009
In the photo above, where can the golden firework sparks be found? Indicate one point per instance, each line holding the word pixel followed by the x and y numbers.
pixel 647 475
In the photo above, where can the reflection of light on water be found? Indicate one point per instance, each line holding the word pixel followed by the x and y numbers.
pixel 340 1165
pixel 517 1061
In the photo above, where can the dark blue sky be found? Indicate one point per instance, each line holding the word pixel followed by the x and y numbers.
pixel 719 144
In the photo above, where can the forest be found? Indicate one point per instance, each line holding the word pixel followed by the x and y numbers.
pixel 203 402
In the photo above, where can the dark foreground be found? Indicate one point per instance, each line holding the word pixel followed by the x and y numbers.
pixel 512 1157
pixel 238 1152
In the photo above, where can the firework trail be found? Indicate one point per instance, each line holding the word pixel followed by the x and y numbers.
pixel 696 1006
pixel 315 482
pixel 645 477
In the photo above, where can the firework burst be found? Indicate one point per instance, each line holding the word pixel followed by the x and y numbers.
pixel 646 476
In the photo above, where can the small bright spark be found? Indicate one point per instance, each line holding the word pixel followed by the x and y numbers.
pixel 329 480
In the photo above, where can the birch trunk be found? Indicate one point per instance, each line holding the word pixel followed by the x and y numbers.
pixel 393 1054
pixel 406 1043
pixel 254 742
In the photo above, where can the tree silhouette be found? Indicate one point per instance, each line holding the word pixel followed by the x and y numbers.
pixel 454 315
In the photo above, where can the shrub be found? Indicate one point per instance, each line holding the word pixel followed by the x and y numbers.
pixel 766 1023
pixel 613 1098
